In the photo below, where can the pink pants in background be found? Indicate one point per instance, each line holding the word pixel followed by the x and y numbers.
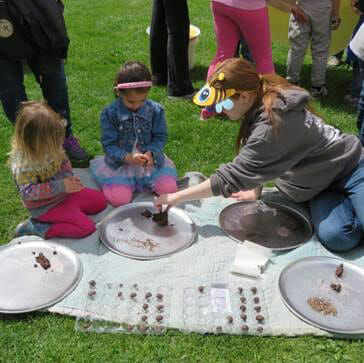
pixel 118 195
pixel 69 218
pixel 232 24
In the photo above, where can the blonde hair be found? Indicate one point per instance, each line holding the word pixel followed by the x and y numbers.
pixel 242 76
pixel 38 137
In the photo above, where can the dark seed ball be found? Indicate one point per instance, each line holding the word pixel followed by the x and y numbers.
pixel 243 317
pixel 130 327
pixel 41 254
pixel 120 294
pixel 145 306
pixel 54 252
pixel 92 283
pixel 257 309
pixel 240 290
pixel 256 299
pixel 229 319
pixel 19 243
pixel 242 308
pixel 33 253
pixel 160 307
pixel 219 329
pixel 120 229
pixel 159 296
pixel 148 295
pixel 254 290
pixel 135 286
pixel 121 285
pixel 159 317
pixel 133 295
pixel 144 318
pixel 243 299
pixel 92 293
pixel 259 318
pixel 260 329
pixel 244 327
pixel 201 289
pixel 35 265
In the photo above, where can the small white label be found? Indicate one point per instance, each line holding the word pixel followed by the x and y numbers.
pixel 220 300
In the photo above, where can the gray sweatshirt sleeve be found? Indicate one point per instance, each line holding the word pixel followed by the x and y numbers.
pixel 266 156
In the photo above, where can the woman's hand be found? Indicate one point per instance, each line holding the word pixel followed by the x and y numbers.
pixel 253 194
pixel 72 184
pixel 299 14
pixel 166 199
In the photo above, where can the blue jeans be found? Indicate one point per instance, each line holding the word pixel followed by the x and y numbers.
pixel 338 212
pixel 53 85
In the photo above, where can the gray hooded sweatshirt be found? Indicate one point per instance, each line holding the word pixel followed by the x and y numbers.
pixel 303 155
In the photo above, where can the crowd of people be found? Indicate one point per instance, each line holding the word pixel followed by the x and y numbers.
pixel 281 137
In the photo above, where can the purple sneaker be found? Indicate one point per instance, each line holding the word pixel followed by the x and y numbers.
pixel 32 227
pixel 74 150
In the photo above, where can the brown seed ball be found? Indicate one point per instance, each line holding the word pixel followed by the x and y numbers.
pixel 243 317
pixel 240 290
pixel 145 306
pixel 257 309
pixel 120 294
pixel 133 295
pixel 92 293
pixel 260 329
pixel 244 328
pixel 243 308
pixel 144 318
pixel 54 252
pixel 254 290
pixel 159 296
pixel 256 299
pixel 243 300
pixel 159 318
pixel 259 318
pixel 130 327
pixel 160 307
pixel 201 289
pixel 148 295
pixel 92 283
pixel 229 319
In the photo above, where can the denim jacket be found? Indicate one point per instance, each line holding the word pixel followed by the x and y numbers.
pixel 122 127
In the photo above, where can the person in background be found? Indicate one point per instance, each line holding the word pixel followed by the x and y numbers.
pixel 169 39
pixel 323 17
pixel 57 200
pixel 282 139
pixel 134 133
pixel 19 46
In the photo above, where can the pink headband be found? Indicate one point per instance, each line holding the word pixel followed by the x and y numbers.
pixel 134 85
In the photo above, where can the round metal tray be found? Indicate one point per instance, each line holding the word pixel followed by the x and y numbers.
pixel 312 277
pixel 127 232
pixel 26 285
pixel 268 224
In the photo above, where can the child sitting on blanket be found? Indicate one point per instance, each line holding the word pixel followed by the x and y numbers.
pixel 134 133
pixel 57 200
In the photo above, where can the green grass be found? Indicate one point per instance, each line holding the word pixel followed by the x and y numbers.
pixel 103 35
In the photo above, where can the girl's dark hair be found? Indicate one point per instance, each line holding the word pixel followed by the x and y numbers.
pixel 133 72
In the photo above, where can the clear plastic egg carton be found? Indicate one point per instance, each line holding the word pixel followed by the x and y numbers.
pixel 225 309
pixel 125 308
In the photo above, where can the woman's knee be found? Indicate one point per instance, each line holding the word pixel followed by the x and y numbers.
pixel 118 195
pixel 339 239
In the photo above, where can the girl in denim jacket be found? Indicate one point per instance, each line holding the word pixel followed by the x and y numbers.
pixel 134 133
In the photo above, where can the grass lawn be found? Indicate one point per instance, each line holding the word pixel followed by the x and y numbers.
pixel 103 35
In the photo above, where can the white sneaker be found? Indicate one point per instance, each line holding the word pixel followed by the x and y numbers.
pixel 317 92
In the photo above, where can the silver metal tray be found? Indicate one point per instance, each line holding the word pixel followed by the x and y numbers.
pixel 268 224
pixel 126 232
pixel 311 277
pixel 26 285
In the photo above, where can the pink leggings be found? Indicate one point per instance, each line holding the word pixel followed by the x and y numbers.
pixel 69 217
pixel 118 195
pixel 231 24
